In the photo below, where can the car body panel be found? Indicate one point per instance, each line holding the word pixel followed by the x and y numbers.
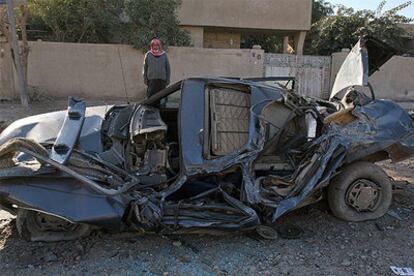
pixel 359 65
pixel 354 70
pixel 69 133
pixel 193 117
pixel 65 198
pixel 45 128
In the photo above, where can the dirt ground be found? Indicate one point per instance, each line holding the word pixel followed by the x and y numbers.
pixel 328 246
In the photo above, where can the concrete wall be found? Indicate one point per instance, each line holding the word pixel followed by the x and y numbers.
pixel 221 39
pixel 196 35
pixel 7 82
pixel 248 14
pixel 63 69
pixel 111 71
pixel 394 81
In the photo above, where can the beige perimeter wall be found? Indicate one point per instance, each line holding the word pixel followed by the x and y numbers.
pixel 107 71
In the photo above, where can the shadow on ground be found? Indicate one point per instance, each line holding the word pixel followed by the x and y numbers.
pixel 328 246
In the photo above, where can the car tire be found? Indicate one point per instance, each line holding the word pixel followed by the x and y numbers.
pixel 360 184
pixel 29 226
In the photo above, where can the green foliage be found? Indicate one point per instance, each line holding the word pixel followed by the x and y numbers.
pixel 321 9
pixel 270 43
pixel 71 20
pixel 134 22
pixel 154 18
pixel 332 33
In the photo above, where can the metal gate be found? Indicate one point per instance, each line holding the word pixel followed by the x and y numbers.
pixel 312 73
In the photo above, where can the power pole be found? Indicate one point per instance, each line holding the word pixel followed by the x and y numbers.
pixel 24 97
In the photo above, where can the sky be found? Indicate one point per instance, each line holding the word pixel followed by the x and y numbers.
pixel 373 4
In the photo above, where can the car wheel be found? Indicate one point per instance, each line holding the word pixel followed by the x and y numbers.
pixel 361 191
pixel 36 226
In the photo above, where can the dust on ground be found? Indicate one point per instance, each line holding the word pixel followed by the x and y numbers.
pixel 328 246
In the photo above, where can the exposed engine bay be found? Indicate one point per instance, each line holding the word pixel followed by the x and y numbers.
pixel 135 138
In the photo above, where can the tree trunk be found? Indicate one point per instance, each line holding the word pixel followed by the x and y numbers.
pixel 25 46
pixel 24 97
pixel 3 22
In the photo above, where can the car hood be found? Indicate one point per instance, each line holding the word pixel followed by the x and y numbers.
pixel 368 55
pixel 44 128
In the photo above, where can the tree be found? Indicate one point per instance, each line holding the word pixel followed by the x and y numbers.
pixel 269 43
pixel 8 28
pixel 71 20
pixel 321 9
pixel 107 21
pixel 332 33
pixel 154 18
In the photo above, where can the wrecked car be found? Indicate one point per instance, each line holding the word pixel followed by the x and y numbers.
pixel 206 153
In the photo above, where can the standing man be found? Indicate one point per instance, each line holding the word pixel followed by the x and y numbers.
pixel 157 71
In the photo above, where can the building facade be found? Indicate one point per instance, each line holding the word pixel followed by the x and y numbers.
pixel 408 38
pixel 220 24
